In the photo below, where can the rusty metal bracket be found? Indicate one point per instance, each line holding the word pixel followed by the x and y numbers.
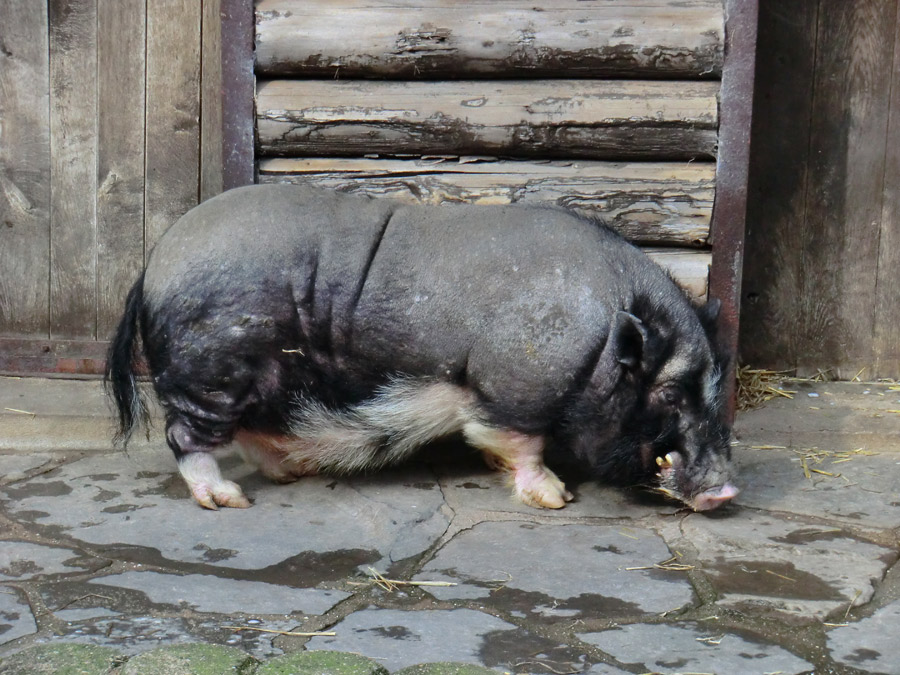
pixel 733 163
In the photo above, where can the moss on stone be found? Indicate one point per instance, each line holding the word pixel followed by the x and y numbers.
pixel 446 669
pixel 321 663
pixel 191 659
pixel 62 659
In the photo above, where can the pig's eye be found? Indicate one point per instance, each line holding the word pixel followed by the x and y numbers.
pixel 669 396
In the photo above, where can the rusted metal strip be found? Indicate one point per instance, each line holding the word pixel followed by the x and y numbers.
pixel 730 206
pixel 238 93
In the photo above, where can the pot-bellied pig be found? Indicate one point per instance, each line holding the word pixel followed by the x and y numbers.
pixel 335 333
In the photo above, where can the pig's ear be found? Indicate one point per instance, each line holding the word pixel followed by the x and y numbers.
pixel 628 339
pixel 709 314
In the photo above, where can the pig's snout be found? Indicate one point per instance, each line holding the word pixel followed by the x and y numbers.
pixel 674 482
pixel 710 499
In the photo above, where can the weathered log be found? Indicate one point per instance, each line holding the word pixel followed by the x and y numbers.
pixel 496 38
pixel 648 202
pixel 689 269
pixel 589 119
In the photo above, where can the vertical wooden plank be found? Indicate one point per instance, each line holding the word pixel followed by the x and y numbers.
pixel 775 234
pixel 211 101
pixel 120 159
pixel 24 169
pixel 238 93
pixel 887 308
pixel 173 113
pixel 811 287
pixel 844 195
pixel 73 168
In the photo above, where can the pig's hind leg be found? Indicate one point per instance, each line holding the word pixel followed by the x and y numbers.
pixel 201 473
pixel 200 470
pixel 522 456
pixel 206 392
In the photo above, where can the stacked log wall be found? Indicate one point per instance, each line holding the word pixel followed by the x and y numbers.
pixel 607 108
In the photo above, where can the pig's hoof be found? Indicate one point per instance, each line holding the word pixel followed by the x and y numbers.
pixel 542 489
pixel 227 493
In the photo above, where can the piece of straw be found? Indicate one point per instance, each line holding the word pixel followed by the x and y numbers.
pixel 392 584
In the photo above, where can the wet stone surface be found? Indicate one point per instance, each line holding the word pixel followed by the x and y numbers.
pixel 136 502
pixel 135 632
pixel 786 564
pixel 525 569
pixel 688 648
pixel 21 560
pixel 870 644
pixel 401 637
pixel 16 467
pixel 16 618
pixel 107 551
pixel 861 490
pixel 204 593
pixel 131 634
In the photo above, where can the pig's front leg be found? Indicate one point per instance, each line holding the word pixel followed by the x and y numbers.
pixel 522 456
pixel 201 473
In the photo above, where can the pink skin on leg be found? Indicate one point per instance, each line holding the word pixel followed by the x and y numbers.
pixel 276 457
pixel 201 473
pixel 523 457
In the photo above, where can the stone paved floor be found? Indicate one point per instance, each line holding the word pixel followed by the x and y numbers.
pixel 106 548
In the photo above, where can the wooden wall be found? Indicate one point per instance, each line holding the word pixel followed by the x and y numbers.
pixel 110 121
pixel 822 267
pixel 104 122
pixel 108 130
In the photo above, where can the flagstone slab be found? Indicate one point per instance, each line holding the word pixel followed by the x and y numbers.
pixel 206 593
pixel 16 618
pixel 855 488
pixel 22 560
pixel 559 571
pixel 871 643
pixel 688 648
pixel 402 638
pixel 135 506
pixel 758 560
